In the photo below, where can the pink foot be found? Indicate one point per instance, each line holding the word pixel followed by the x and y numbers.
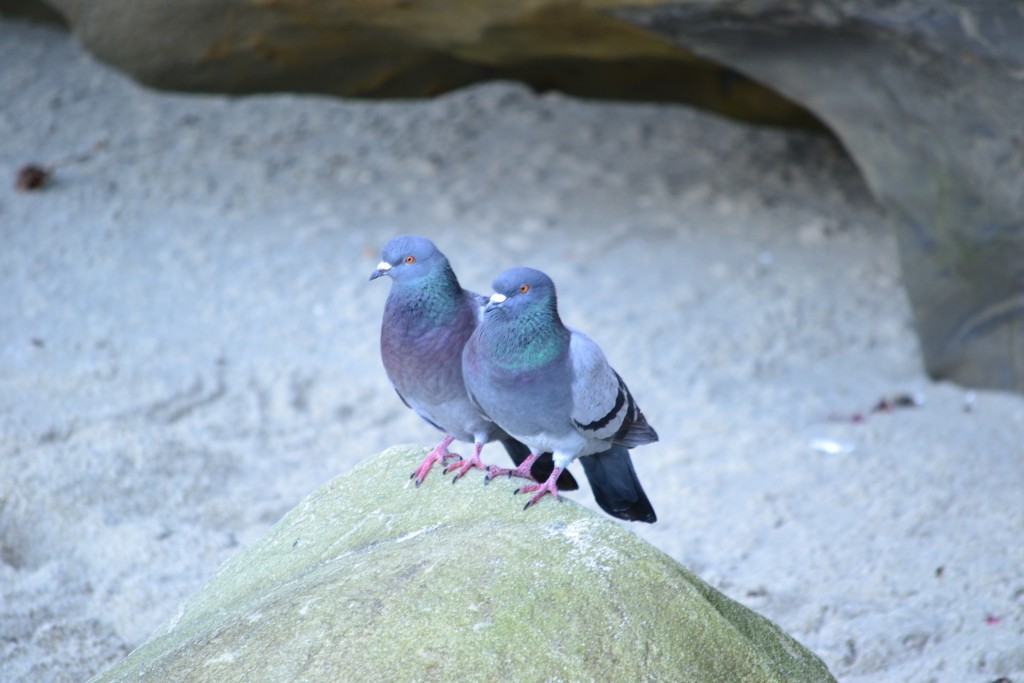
pixel 548 486
pixel 437 455
pixel 466 465
pixel 523 471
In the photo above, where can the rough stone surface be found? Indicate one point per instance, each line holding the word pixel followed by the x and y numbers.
pixel 409 49
pixel 442 582
pixel 927 97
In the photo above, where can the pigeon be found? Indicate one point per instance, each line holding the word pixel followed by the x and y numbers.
pixel 427 319
pixel 552 388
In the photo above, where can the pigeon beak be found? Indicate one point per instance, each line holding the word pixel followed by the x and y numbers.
pixel 495 301
pixel 382 269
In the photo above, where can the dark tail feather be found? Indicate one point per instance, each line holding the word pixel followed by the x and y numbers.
pixel 615 485
pixel 542 466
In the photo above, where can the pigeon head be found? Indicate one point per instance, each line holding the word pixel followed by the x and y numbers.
pixel 521 326
pixel 409 257
pixel 518 290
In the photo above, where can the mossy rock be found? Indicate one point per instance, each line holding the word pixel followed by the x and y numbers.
pixel 372 578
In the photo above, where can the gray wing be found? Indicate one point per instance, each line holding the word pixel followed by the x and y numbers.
pixel 602 407
pixel 479 301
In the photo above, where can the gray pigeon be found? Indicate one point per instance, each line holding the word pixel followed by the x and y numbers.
pixel 427 319
pixel 552 388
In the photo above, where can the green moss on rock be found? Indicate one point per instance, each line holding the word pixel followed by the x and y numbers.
pixel 371 578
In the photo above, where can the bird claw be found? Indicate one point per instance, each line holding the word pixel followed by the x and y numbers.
pixel 464 466
pixel 521 472
pixel 490 472
pixel 438 454
pixel 547 487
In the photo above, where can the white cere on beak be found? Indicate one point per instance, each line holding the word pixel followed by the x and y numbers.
pixel 497 298
pixel 384 266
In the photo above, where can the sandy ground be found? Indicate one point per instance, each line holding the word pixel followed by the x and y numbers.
pixel 188 347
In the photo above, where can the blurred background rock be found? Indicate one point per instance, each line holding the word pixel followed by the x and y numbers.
pixel 925 96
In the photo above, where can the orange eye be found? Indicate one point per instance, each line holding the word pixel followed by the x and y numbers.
pixel 523 289
pixel 410 258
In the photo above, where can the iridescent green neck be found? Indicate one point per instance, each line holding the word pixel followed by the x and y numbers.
pixel 435 297
pixel 534 338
